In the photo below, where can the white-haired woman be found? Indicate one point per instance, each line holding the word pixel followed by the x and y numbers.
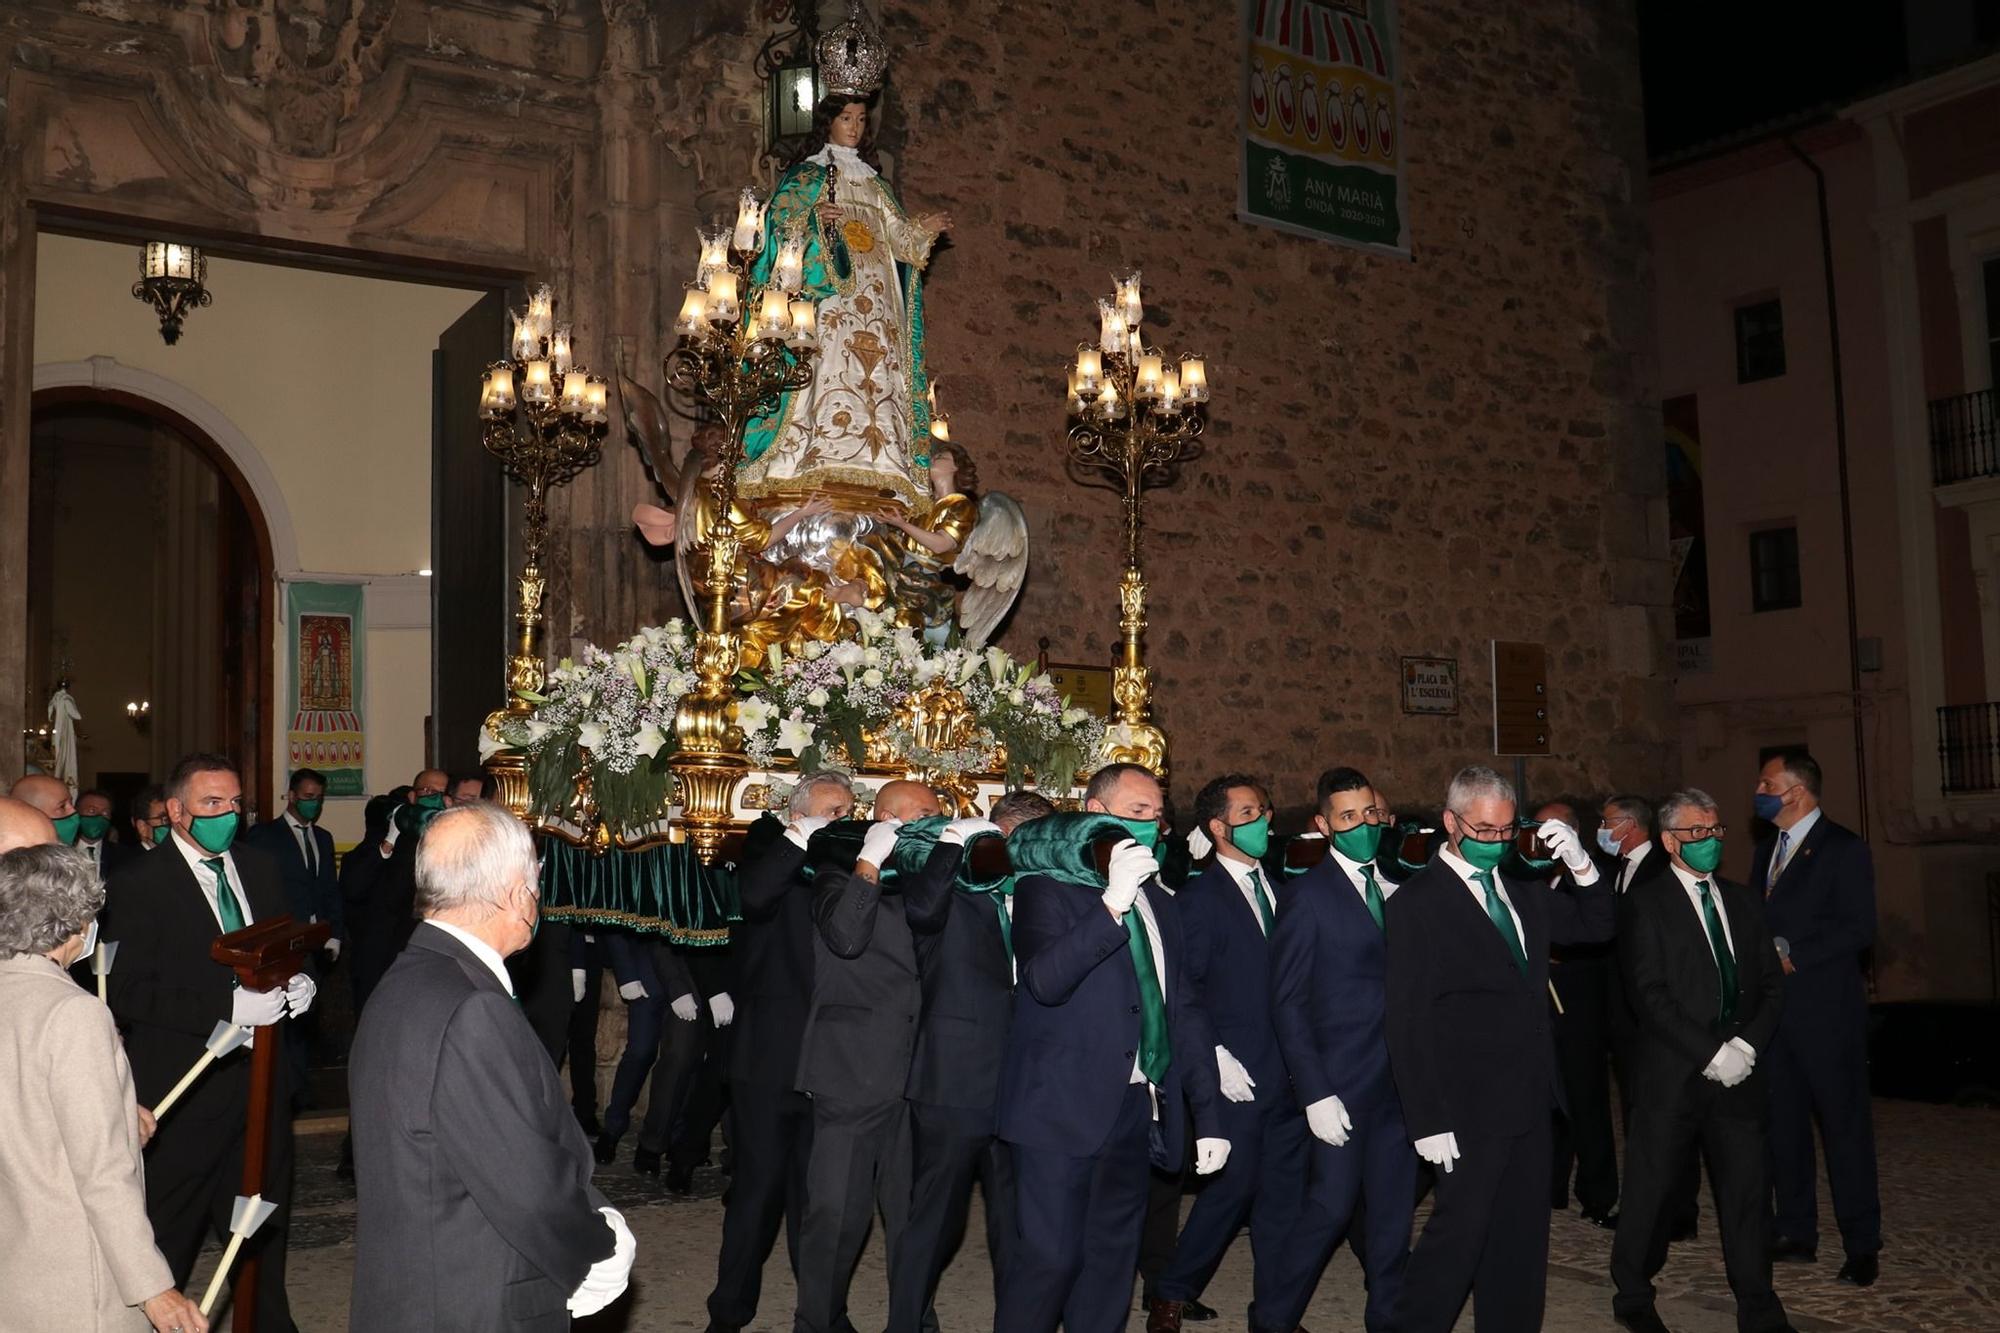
pixel 79 1251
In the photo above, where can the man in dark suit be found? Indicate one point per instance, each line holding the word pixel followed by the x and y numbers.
pixel 1106 1042
pixel 1818 882
pixel 165 910
pixel 304 853
pixel 1704 985
pixel 1583 976
pixel 772 1121
pixel 148 818
pixel 475 1207
pixel 1472 1057
pixel 1227 914
pixel 965 963
pixel 854 1062
pixel 1328 985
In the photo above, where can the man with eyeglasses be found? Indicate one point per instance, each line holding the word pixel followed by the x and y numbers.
pixel 1328 961
pixel 1706 992
pixel 1818 882
pixel 1473 1061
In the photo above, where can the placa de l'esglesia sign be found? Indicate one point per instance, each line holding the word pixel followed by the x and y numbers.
pixel 1430 685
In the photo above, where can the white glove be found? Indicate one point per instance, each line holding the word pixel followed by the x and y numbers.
pixel 1749 1051
pixel 802 827
pixel 257 1008
pixel 1210 1156
pixel 577 978
pixel 605 1282
pixel 333 951
pixel 881 841
pixel 1236 1080
pixel 1198 844
pixel 687 1008
pixel 1439 1150
pixel 1329 1121
pixel 1562 842
pixel 1131 866
pixel 299 992
pixel 1728 1066
pixel 632 991
pixel 722 1009
pixel 961 830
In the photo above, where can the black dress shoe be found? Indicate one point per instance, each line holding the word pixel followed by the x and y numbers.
pixel 1860 1269
pixel 1685 1231
pixel 1642 1321
pixel 1784 1250
pixel 680 1180
pixel 589 1123
pixel 1194 1312
pixel 645 1162
pixel 606 1150
pixel 1608 1221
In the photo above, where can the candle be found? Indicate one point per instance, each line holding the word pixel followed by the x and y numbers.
pixel 694 312
pixel 595 401
pixel 1108 405
pixel 500 389
pixel 791 265
pixel 804 323
pixel 1089 369
pixel 1128 300
pixel 573 391
pixel 535 386
pixel 1134 345
pixel 714 256
pixel 542 311
pixel 722 297
pixel 749 224
pixel 1194 379
pixel 774 314
pixel 1110 328
pixel 1170 392
pixel 526 345
pixel 1075 396
pixel 559 356
pixel 1147 384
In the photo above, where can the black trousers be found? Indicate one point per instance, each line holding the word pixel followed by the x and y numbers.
pixel 541 975
pixel 707 1094
pixel 582 1041
pixel 683 1045
pixel 860 1162
pixel 1822 1068
pixel 1076 1230
pixel 194 1171
pixel 1680 1205
pixel 1583 1138
pixel 772 1131
pixel 1488 1234
pixel 1160 1231
pixel 1729 1133
pixel 951 1147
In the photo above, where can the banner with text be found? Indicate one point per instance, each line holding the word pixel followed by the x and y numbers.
pixel 1322 131
pixel 325 638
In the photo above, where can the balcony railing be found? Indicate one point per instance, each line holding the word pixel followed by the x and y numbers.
pixel 1965 438
pixel 1969 747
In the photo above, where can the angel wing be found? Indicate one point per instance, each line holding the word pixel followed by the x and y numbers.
pixel 646 426
pixel 995 558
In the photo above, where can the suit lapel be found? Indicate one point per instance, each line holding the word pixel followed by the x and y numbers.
pixel 1802 855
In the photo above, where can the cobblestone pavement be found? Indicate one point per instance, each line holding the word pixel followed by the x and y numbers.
pixel 1940 1270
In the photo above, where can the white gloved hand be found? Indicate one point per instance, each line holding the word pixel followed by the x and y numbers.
pixel 632 991
pixel 1198 844
pixel 577 983
pixel 333 951
pixel 1749 1051
pixel 961 830
pixel 1131 866
pixel 687 1008
pixel 1210 1156
pixel 1566 847
pixel 299 993
pixel 1728 1066
pixel 1237 1084
pixel 257 1008
pixel 605 1282
pixel 722 1009
pixel 1329 1121
pixel 880 841
pixel 802 827
pixel 1440 1150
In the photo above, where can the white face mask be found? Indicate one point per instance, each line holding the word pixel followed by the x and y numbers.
pixel 89 941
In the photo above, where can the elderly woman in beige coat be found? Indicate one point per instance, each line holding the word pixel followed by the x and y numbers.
pixel 79 1252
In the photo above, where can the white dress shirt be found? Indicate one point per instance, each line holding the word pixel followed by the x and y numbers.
pixel 93 850
pixel 1383 885
pixel 1628 865
pixel 1688 883
pixel 195 856
pixel 1793 836
pixel 1465 871
pixel 1241 872
pixel 1152 926
pixel 481 950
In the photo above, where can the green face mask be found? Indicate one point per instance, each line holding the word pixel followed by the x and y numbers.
pixel 1145 832
pixel 1254 838
pixel 1359 843
pixel 66 828
pixel 161 832
pixel 1484 855
pixel 214 833
pixel 92 828
pixel 431 801
pixel 1704 856
pixel 308 808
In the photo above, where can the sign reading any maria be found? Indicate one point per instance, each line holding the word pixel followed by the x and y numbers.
pixel 1430 685
pixel 1322 122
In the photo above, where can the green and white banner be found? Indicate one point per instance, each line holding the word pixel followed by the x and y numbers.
pixel 1322 122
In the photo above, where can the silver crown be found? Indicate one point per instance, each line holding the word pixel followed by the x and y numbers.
pixel 852 59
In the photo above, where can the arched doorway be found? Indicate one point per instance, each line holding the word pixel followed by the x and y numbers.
pixel 150 582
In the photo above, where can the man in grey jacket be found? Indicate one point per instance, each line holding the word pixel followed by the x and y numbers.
pixel 475 1204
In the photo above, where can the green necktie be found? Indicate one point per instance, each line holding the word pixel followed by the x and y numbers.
pixel 1154 1052
pixel 226 905
pixel 1371 893
pixel 1503 919
pixel 1263 899
pixel 1725 961
pixel 1000 897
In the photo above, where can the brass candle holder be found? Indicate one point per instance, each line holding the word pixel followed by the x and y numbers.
pixel 1136 416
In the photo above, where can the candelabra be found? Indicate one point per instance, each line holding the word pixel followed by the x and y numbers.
pixel 1135 418
pixel 746 336
pixel 545 418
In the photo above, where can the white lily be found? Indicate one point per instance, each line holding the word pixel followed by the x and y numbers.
pixel 649 740
pixel 848 654
pixel 795 736
pixel 753 715
pixel 998 663
pixel 590 735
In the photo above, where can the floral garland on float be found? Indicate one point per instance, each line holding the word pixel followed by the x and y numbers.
pixel 887 700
